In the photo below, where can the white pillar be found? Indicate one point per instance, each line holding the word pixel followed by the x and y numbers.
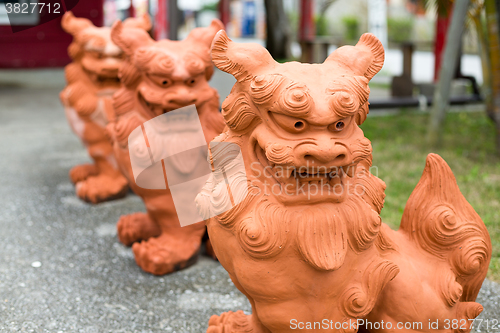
pixel 377 20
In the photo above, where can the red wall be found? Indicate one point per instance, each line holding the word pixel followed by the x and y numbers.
pixel 45 45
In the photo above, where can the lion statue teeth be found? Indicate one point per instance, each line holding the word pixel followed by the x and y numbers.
pixel 159 77
pixel 307 245
pixel 92 79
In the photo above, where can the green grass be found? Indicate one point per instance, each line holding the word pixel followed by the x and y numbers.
pixel 399 152
pixel 380 85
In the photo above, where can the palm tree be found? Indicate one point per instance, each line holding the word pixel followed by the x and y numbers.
pixel 491 50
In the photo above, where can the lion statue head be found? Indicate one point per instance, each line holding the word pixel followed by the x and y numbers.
pixel 307 181
pixel 98 59
pixel 162 76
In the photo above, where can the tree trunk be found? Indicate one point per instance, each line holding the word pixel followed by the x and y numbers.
pixel 277 29
pixel 443 18
pixel 485 62
pixel 493 27
pixel 174 18
pixel 442 25
pixel 442 93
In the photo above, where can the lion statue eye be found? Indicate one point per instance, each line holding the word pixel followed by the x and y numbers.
pixel 159 80
pixel 289 124
pixel 338 126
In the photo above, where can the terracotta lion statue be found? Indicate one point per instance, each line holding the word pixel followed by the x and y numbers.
pixel 92 79
pixel 159 77
pixel 307 246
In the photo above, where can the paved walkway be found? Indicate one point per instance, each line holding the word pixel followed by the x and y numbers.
pixel 62 268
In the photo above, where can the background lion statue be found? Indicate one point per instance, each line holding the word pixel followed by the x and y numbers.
pixel 92 79
pixel 159 77
pixel 307 245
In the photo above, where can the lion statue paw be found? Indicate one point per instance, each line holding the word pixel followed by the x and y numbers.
pixel 101 188
pixel 136 227
pixel 81 172
pixel 167 253
pixel 231 322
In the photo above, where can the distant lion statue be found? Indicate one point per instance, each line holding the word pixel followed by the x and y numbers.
pixel 92 80
pixel 159 77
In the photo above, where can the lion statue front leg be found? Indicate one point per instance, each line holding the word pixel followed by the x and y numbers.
pixel 81 172
pixel 101 180
pixel 235 322
pixel 106 182
pixel 174 249
pixel 136 227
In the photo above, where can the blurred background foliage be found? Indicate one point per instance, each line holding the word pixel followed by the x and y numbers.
pixel 351 24
pixel 400 29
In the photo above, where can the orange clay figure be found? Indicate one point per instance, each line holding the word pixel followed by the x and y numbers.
pixel 307 244
pixel 159 77
pixel 92 79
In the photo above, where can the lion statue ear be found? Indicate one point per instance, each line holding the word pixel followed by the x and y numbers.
pixel 365 59
pixel 129 39
pixel 240 60
pixel 143 22
pixel 206 35
pixel 73 25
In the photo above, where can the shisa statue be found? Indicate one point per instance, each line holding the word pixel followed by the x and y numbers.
pixel 307 246
pixel 159 77
pixel 92 79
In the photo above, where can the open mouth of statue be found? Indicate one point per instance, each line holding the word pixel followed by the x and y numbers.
pixel 106 79
pixel 303 183
pixel 155 109
pixel 159 109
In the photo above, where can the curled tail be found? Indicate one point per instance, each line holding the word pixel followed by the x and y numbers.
pixel 439 219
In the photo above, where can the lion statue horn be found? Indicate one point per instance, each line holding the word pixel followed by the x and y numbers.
pixel 368 57
pixel 143 22
pixel 240 59
pixel 129 38
pixel 74 25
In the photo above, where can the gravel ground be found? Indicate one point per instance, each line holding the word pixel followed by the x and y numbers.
pixel 62 268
